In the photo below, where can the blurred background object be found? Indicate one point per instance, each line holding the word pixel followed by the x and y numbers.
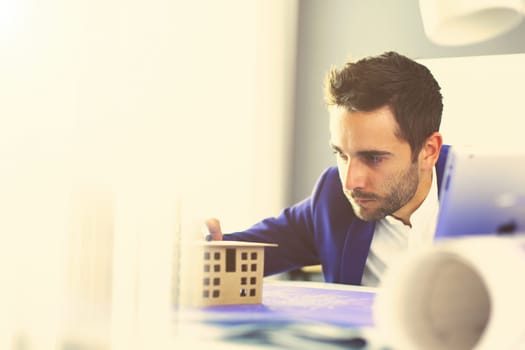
pixel 464 22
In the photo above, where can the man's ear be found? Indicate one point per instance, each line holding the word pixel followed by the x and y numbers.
pixel 429 154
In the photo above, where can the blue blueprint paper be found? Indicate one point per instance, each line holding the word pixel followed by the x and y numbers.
pixel 295 317
pixel 298 303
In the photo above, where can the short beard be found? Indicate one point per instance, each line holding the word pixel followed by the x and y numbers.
pixel 401 188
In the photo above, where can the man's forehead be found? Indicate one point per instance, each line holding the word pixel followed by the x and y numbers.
pixel 379 122
pixel 379 136
pixel 338 109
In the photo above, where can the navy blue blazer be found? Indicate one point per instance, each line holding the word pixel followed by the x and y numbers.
pixel 322 229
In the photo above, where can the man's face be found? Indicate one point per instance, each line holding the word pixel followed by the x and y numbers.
pixel 375 166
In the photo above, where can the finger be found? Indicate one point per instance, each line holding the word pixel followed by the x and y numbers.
pixel 214 230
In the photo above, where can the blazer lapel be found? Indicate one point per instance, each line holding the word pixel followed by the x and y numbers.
pixel 357 244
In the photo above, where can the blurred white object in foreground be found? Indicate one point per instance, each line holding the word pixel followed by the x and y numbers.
pixel 461 294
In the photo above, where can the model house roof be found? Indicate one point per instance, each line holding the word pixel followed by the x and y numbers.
pixel 234 244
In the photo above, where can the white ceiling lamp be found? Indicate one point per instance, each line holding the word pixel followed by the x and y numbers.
pixel 464 22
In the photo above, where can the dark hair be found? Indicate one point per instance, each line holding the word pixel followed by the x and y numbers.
pixel 406 86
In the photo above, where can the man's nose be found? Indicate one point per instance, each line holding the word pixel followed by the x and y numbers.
pixel 355 175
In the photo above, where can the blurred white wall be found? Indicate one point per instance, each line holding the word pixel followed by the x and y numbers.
pixel 482 98
pixel 239 125
pixel 109 110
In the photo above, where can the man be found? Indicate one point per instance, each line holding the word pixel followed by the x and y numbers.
pixel 382 199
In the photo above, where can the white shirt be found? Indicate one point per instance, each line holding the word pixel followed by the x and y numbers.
pixel 392 238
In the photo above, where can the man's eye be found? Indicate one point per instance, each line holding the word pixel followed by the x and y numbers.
pixel 374 160
pixel 340 154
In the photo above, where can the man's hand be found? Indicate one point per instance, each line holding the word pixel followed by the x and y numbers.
pixel 214 230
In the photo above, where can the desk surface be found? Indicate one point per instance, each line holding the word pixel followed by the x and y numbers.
pixel 305 301
pixel 330 315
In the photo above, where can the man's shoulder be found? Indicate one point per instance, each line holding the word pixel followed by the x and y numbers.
pixel 328 190
pixel 330 174
pixel 328 181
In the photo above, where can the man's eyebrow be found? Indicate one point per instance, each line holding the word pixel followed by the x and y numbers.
pixel 363 153
pixel 334 147
pixel 373 153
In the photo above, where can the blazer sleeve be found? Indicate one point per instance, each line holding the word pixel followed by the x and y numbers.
pixel 293 231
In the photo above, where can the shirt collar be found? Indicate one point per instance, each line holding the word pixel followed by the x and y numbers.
pixel 427 212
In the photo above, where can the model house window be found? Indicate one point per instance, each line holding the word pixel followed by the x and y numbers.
pixel 230 260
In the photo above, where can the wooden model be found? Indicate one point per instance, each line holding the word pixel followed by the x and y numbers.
pixel 226 273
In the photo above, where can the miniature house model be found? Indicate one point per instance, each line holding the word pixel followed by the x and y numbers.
pixel 227 272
